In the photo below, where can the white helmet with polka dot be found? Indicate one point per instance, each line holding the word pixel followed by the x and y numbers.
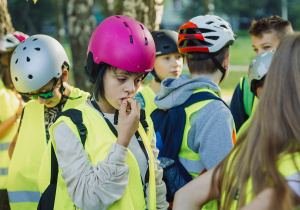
pixel 36 61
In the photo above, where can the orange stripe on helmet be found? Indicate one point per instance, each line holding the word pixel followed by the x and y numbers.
pixel 188 25
pixel 193 49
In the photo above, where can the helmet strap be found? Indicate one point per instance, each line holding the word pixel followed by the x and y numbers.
pixel 61 90
pixel 155 76
pixel 220 67
pixel 62 87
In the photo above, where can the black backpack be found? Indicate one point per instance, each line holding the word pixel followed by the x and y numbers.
pixel 169 127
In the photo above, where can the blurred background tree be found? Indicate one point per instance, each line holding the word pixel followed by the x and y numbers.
pixel 5 20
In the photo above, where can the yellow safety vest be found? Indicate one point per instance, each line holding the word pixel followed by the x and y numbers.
pixel 285 166
pixel 22 183
pixel 149 95
pixel 133 197
pixel 9 104
pixel 249 99
pixel 187 156
pixel 249 120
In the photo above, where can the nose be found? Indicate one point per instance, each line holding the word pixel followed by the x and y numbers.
pixel 176 61
pixel 41 100
pixel 129 87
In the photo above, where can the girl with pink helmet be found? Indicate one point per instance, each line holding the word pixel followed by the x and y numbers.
pixel 107 156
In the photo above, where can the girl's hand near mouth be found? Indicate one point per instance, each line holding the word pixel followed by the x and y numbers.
pixel 128 123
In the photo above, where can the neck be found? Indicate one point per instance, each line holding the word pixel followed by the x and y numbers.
pixel 104 106
pixel 155 86
pixel 67 90
pixel 215 77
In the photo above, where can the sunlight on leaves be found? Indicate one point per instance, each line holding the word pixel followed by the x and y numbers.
pixel 33 1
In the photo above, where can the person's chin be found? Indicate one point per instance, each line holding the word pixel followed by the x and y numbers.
pixel 50 104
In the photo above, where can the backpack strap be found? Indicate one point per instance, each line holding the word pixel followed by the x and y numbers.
pixel 202 96
pixel 76 117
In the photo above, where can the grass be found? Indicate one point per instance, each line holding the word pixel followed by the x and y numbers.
pixel 241 52
pixel 231 82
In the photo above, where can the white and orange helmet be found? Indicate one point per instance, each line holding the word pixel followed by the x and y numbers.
pixel 205 34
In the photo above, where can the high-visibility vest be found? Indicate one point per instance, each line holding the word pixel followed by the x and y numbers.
pixel 286 167
pixel 190 159
pixel 133 197
pixel 22 183
pixel 249 99
pixel 247 123
pixel 9 104
pixel 149 95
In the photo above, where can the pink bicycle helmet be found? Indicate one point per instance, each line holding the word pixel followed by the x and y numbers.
pixel 124 43
pixel 10 41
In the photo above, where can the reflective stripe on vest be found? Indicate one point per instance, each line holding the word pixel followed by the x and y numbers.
pixel 3 171
pixel 23 196
pixel 192 166
pixel 133 198
pixel 4 146
pixel 149 95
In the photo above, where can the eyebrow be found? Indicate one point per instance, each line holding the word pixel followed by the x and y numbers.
pixel 263 44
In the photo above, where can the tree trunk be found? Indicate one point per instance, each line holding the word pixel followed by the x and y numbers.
pixel 148 12
pixel 208 7
pixel 59 13
pixel 5 20
pixel 107 7
pixel 81 24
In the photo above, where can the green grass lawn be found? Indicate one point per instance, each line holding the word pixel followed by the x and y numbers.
pixel 241 52
pixel 231 82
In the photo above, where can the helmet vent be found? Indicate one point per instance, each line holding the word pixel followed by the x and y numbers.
pixel 125 24
pixel 142 27
pixel 212 37
pixel 209 22
pixel 167 47
pixel 34 39
pixel 30 76
pixel 131 40
pixel 37 49
pixel 16 61
pixel 24 48
pixel 223 26
pixel 16 79
pixel 195 31
pixel 146 41
pixel 8 40
pixel 27 59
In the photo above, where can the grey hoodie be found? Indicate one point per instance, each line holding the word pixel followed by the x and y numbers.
pixel 211 129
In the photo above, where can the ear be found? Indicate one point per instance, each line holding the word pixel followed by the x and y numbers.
pixel 226 61
pixel 65 74
pixel 259 91
pixel 186 60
